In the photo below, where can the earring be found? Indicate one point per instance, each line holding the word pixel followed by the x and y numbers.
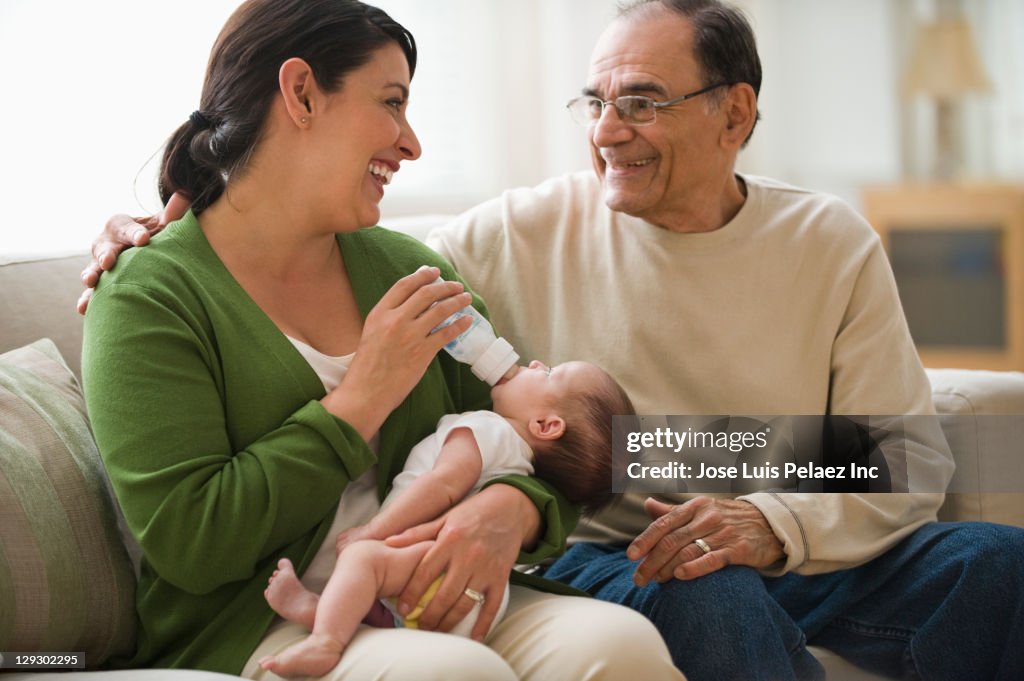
pixel 304 120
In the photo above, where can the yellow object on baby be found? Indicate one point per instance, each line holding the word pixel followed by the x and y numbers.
pixel 412 620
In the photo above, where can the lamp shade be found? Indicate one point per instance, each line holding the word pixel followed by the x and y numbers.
pixel 945 63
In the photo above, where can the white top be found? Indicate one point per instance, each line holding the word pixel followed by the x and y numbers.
pixel 502 450
pixel 790 308
pixel 330 369
pixel 359 500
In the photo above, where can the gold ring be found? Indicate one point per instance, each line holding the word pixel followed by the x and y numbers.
pixel 474 594
pixel 703 545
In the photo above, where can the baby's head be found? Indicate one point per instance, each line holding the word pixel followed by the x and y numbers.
pixel 565 414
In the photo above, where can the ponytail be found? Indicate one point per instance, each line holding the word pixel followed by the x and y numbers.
pixel 187 172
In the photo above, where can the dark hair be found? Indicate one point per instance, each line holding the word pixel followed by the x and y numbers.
pixel 334 37
pixel 724 43
pixel 579 464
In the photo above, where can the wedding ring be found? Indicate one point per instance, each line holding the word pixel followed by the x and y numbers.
pixel 474 594
pixel 703 545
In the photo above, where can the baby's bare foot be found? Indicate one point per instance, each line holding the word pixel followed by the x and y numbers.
pixel 289 598
pixel 314 656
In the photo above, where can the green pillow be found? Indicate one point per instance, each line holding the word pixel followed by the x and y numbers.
pixel 66 581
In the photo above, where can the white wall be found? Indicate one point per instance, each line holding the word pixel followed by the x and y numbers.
pixel 90 92
pixel 489 95
pixel 995 123
pixel 93 89
pixel 828 97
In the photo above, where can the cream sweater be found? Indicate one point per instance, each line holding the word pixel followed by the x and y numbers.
pixel 790 308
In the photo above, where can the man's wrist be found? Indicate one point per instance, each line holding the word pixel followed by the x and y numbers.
pixel 773 550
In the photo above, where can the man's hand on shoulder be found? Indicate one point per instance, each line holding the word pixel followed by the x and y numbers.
pixel 121 232
pixel 700 536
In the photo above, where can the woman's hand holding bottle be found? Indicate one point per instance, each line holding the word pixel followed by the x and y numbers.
pixel 396 346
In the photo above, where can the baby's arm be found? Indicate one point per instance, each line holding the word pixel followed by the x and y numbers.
pixel 456 470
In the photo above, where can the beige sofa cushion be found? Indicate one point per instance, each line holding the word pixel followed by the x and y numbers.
pixel 38 301
pixel 982 414
pixel 66 581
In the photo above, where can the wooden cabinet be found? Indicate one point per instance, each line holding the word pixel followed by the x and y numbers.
pixel 957 252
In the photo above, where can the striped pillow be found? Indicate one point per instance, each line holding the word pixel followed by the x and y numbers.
pixel 66 582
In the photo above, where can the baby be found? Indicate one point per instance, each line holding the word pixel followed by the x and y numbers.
pixel 554 423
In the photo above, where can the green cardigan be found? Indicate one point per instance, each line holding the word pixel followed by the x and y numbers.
pixel 219 450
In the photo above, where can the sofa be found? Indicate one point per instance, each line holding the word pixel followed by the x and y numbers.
pixel 67 566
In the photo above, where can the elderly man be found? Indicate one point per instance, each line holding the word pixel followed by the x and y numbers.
pixel 708 292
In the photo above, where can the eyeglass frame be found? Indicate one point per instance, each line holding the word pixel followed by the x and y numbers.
pixel 656 104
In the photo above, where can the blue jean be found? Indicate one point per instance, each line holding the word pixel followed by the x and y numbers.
pixel 946 603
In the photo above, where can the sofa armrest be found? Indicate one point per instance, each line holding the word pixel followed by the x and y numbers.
pixel 982 415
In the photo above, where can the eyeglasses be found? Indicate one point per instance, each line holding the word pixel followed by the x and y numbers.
pixel 632 109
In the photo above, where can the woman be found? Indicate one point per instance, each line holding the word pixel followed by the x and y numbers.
pixel 257 375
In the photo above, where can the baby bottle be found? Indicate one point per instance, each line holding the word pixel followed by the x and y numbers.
pixel 488 357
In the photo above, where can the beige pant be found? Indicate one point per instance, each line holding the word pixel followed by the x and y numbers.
pixel 543 637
